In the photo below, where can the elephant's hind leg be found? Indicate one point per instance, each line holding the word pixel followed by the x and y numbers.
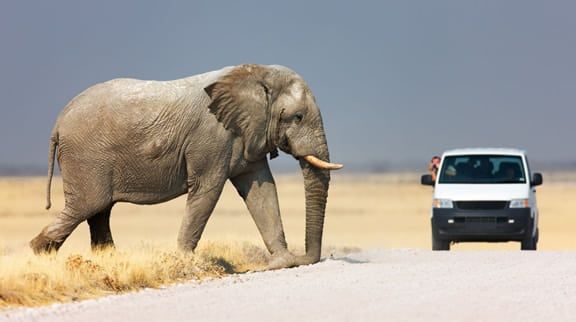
pixel 53 236
pixel 100 234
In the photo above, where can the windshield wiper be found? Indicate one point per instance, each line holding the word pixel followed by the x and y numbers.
pixel 508 181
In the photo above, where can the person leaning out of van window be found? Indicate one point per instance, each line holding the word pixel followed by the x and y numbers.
pixel 433 166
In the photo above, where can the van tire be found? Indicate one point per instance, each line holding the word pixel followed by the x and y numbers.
pixel 530 243
pixel 439 244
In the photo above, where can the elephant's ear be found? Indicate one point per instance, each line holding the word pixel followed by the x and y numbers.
pixel 240 101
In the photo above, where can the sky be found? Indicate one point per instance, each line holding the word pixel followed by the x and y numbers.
pixel 396 81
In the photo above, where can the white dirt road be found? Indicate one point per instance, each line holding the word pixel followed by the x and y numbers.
pixel 378 285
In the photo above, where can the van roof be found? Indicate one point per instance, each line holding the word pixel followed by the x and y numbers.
pixel 494 151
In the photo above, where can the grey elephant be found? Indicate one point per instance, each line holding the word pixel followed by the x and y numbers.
pixel 147 142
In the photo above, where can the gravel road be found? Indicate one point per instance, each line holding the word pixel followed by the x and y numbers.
pixel 378 285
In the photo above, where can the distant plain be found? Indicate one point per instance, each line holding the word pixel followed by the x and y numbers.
pixel 364 211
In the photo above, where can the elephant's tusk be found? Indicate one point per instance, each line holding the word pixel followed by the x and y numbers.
pixel 314 161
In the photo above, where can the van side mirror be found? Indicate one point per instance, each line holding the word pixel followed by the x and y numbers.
pixel 536 179
pixel 427 180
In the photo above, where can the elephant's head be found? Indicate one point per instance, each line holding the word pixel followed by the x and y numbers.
pixel 271 107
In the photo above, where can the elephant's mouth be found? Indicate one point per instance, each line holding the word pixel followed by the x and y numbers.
pixel 284 145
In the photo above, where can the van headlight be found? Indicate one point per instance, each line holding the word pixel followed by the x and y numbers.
pixel 442 203
pixel 519 203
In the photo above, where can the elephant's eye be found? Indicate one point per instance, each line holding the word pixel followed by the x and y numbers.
pixel 298 117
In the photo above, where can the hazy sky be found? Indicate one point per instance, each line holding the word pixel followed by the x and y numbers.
pixel 396 80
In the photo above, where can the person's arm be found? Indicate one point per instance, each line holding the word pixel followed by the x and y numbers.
pixel 433 169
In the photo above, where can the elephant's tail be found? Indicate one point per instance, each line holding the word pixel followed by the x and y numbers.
pixel 51 156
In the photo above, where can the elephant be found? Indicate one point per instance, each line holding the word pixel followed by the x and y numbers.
pixel 146 142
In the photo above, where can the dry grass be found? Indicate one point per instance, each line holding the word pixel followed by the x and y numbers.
pixel 385 211
pixel 35 280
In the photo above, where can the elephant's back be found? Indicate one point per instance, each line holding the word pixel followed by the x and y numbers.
pixel 125 116
pixel 125 105
pixel 134 101
pixel 123 97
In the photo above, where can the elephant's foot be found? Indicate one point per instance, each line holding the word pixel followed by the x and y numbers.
pixel 282 260
pixel 103 246
pixel 187 245
pixel 287 260
pixel 43 245
pixel 101 241
pixel 307 259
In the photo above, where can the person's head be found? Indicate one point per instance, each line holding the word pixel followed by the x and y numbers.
pixel 451 171
pixel 435 160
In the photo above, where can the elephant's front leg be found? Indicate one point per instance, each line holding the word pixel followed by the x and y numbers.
pixel 199 207
pixel 258 190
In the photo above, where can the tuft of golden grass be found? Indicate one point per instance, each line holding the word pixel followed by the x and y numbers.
pixel 28 280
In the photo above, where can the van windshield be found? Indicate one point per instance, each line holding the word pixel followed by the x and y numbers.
pixel 482 169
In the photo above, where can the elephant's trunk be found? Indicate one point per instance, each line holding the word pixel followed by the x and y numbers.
pixel 316 182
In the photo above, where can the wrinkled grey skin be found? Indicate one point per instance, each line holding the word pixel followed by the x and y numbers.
pixel 147 142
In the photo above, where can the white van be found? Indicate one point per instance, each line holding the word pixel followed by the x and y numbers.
pixel 484 195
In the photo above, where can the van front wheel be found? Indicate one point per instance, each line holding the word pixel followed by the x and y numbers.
pixel 530 242
pixel 439 244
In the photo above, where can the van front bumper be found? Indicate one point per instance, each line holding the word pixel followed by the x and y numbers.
pixel 510 224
